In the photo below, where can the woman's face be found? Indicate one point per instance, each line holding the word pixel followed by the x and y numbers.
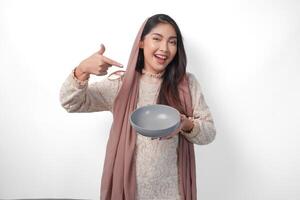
pixel 160 47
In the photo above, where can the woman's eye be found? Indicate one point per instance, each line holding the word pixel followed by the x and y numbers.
pixel 173 42
pixel 155 38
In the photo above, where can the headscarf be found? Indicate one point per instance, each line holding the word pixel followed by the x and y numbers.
pixel 119 171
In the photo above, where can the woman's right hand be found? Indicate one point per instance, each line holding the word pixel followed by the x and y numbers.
pixel 96 64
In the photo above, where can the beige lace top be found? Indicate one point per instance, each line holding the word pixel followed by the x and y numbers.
pixel 156 160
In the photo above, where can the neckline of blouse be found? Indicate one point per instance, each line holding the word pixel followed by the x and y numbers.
pixel 159 75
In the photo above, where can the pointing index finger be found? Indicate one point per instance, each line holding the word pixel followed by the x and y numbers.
pixel 112 62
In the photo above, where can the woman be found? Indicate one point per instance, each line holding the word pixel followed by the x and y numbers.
pixel 137 167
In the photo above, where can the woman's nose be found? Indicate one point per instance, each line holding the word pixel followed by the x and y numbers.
pixel 164 46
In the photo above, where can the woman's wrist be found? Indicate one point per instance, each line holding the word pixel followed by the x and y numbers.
pixel 81 75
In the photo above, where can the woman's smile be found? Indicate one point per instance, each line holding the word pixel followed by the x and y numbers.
pixel 160 59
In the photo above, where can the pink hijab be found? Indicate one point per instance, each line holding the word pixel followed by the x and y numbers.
pixel 119 178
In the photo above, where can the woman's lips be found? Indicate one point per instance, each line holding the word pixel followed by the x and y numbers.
pixel 161 59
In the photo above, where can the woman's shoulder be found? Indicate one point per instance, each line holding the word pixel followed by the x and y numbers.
pixel 190 75
pixel 194 83
pixel 192 78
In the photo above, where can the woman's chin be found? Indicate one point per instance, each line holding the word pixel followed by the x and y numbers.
pixel 160 70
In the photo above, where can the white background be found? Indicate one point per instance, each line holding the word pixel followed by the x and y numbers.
pixel 244 53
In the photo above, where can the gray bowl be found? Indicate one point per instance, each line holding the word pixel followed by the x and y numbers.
pixel 155 120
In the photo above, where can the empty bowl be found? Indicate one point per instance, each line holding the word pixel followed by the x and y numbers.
pixel 155 120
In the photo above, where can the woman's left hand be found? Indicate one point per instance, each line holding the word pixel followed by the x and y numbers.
pixel 187 124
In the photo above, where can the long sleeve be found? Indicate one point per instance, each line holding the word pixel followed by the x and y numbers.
pixel 204 131
pixel 78 96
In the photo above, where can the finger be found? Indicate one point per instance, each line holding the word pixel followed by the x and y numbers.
pixel 102 49
pixel 112 62
pixel 103 69
pixel 101 74
pixel 104 66
pixel 182 117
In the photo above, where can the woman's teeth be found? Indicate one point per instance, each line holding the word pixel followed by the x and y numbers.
pixel 161 57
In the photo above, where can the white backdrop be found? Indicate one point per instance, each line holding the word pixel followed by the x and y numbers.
pixel 244 53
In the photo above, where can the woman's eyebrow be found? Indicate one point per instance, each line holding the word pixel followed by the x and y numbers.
pixel 171 37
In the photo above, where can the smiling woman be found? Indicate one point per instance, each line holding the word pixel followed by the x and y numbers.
pixel 138 167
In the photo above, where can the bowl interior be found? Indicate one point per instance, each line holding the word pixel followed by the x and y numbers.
pixel 155 117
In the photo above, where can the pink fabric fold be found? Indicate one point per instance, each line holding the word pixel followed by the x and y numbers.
pixel 119 172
